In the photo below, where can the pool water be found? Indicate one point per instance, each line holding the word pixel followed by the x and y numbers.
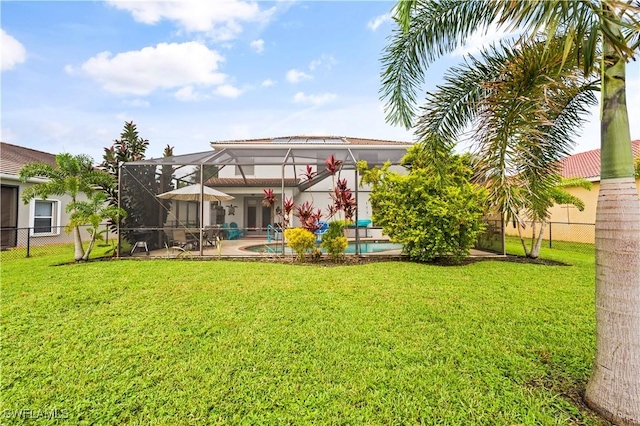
pixel 365 247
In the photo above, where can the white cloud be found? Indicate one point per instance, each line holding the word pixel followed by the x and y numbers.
pixel 482 38
pixel 140 72
pixel 137 103
pixel 257 45
pixel 268 83
pixel 187 94
pixel 227 91
pixel 301 98
pixel 13 52
pixel 374 23
pixel 328 61
pixel 220 20
pixel 295 76
pixel 56 130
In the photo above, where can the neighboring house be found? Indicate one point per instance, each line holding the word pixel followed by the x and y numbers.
pixel 247 167
pixel 40 220
pixel 584 165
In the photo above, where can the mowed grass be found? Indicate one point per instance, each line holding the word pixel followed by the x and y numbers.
pixel 223 342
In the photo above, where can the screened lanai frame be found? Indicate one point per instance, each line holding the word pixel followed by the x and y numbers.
pixel 284 154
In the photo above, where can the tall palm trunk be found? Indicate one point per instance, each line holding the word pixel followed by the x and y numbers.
pixel 614 387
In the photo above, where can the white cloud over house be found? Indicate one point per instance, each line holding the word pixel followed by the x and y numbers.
pixel 220 20
pixel 13 52
pixel 482 38
pixel 188 94
pixel 137 103
pixel 257 45
pixel 321 99
pixel 227 91
pixel 326 61
pixel 375 23
pixel 296 76
pixel 165 66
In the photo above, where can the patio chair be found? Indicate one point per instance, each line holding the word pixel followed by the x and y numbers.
pixel 180 239
pixel 230 233
pixel 240 231
pixel 211 236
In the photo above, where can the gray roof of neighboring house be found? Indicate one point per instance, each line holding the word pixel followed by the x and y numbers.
pixel 13 157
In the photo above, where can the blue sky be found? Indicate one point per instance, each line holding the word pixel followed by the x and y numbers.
pixel 190 73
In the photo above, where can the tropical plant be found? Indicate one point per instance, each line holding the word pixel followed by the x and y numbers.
pixel 92 212
pixel 429 214
pixel 269 198
pixel 308 216
pixel 139 185
pixel 334 241
pixel 595 37
pixel 537 215
pixel 300 240
pixel 73 175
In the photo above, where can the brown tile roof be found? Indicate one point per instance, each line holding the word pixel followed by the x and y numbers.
pixel 587 164
pixel 261 182
pixel 13 157
pixel 312 140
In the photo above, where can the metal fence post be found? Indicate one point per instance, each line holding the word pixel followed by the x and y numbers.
pixel 550 223
pixel 28 241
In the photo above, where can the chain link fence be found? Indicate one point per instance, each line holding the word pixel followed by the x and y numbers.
pixel 578 237
pixel 31 242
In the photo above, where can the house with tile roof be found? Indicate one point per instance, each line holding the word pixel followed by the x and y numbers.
pixel 583 165
pixel 40 222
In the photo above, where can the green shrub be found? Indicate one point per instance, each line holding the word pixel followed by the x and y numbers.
pixel 334 241
pixel 431 212
pixel 300 240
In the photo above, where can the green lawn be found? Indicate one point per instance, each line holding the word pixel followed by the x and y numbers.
pixel 219 342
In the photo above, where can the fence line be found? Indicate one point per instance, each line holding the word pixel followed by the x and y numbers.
pixel 27 242
pixel 562 235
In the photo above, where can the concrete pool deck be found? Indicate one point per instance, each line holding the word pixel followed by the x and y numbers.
pixel 235 249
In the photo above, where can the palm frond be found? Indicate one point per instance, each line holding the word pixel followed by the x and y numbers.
pixel 436 28
pixel 524 120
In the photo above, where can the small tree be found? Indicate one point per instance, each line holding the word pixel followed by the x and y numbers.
pixel 140 185
pixel 92 212
pixel 430 214
pixel 73 175
pixel 537 209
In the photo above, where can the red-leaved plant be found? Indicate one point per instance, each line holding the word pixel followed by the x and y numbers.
pixel 269 198
pixel 332 165
pixel 341 195
pixel 309 174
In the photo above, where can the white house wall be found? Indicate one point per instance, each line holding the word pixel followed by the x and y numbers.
pixel 25 217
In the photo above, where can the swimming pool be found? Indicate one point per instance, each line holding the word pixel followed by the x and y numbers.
pixel 365 247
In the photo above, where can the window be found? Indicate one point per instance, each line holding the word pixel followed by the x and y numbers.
pixel 247 169
pixel 45 217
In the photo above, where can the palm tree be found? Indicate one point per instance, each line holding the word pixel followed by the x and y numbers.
pixel 538 213
pixel 73 175
pixel 92 212
pixel 599 37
